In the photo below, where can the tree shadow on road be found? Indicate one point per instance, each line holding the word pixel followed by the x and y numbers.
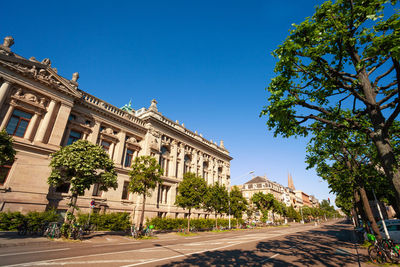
pixel 327 246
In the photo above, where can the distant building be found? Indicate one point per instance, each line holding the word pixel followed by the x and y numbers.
pixel 262 184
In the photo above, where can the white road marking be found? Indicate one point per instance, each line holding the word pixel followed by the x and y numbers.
pixel 273 256
pixel 103 245
pixel 32 252
pixel 52 261
pixel 192 237
pixel 177 256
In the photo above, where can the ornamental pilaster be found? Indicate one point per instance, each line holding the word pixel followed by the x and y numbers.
pixel 181 160
pixel 44 125
pixel 119 151
pixel 60 124
pixel 174 157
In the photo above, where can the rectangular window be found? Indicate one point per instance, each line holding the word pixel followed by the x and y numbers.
pixel 125 192
pixel 4 171
pixel 73 137
pixel 128 158
pixel 18 123
pixel 105 145
pixel 96 190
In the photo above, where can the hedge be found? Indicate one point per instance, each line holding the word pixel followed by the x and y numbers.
pixel 177 223
pixel 118 221
pixel 9 221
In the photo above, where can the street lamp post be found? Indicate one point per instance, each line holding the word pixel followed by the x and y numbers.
pixel 229 199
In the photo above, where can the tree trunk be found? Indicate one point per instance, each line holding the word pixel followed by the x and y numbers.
pixel 142 215
pixel 188 225
pixel 216 221
pixel 368 212
pixel 361 211
pixel 355 217
pixel 380 135
pixel 71 209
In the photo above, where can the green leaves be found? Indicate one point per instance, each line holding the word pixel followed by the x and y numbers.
pixel 191 191
pixel 145 175
pixel 238 203
pixel 82 164
pixel 7 152
pixel 216 199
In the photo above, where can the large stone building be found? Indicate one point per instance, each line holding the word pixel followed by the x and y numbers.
pixel 44 111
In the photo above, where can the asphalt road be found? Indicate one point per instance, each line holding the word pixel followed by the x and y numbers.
pixel 298 245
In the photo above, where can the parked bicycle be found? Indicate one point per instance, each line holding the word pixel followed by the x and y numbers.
pixel 52 230
pixel 76 231
pixel 134 231
pixel 383 251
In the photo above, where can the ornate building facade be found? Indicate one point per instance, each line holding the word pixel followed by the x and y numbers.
pixel 44 111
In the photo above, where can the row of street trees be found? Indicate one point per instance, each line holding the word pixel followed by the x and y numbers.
pixel 194 193
pixel 338 77
pixel 266 203
pixel 83 164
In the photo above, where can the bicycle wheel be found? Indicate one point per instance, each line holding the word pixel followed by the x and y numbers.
pixel 376 255
pixel 57 233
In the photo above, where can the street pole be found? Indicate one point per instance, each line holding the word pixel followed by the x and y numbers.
pixel 380 214
pixel 229 204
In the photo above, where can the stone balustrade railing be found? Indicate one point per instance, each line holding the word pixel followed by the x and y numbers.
pixel 191 134
pixel 88 98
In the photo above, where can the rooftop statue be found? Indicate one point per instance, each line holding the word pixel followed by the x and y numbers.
pixel 128 107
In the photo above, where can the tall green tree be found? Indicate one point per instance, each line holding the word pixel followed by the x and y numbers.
pixel 238 203
pixel 293 214
pixel 7 152
pixel 81 165
pixel 216 200
pixel 345 57
pixel 144 178
pixel 347 161
pixel 190 193
pixel 263 202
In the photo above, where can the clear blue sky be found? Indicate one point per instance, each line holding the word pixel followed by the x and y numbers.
pixel 206 62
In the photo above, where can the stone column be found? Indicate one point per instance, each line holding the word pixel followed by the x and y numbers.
pixel 174 156
pixel 201 165
pixel 181 161
pixel 95 133
pixel 31 127
pixel 194 161
pixel 119 150
pixel 45 122
pixel 210 171
pixel 4 89
pixel 7 117
pixel 111 150
pixel 59 125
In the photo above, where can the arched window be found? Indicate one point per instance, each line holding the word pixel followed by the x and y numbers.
pixel 186 167
pixel 164 159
